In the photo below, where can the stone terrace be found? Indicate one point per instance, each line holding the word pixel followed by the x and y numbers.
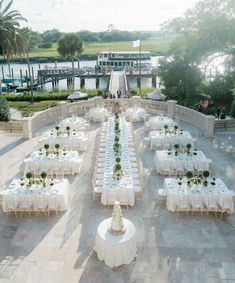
pixel 170 249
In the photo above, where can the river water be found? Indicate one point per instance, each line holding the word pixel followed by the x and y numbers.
pixel 89 83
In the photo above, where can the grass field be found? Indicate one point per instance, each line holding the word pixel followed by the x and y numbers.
pixel 94 48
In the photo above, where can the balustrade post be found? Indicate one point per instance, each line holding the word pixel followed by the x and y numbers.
pixel 209 126
pixel 171 109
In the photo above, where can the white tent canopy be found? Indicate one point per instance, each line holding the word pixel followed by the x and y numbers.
pixel 77 95
pixel 156 95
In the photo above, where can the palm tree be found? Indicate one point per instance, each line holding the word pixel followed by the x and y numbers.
pixel 70 45
pixel 12 37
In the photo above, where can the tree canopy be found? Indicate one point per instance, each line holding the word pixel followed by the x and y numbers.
pixel 204 33
pixel 12 37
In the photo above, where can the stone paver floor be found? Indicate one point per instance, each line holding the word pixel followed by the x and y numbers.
pixel 170 249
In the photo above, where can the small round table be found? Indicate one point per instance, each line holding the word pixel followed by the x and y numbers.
pixel 116 250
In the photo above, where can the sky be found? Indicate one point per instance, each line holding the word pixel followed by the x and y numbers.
pixel 97 15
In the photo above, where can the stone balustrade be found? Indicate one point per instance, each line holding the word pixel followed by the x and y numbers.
pixel 30 125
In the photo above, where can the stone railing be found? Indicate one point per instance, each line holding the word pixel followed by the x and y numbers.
pixel 12 126
pixel 225 125
pixel 206 123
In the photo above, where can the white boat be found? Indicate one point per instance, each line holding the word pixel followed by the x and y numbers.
pixel 118 60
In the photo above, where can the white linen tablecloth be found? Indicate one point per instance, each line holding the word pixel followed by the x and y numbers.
pixel 75 123
pixel 135 113
pixel 123 189
pixel 40 162
pixel 165 162
pixel 59 192
pixel 76 140
pixel 116 250
pixel 158 122
pixel 174 190
pixel 166 140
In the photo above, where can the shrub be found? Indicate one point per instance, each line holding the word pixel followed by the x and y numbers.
pixel 4 110
pixel 43 175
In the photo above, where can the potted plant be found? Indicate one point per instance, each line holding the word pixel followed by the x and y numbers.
pixel 189 175
pixel 206 174
pixel 116 139
pixel 165 127
pixel 46 146
pixel 43 176
pixel 118 159
pixel 29 176
pixel 57 146
pixel 57 129
pixel 68 130
pixel 118 171
pixel 175 128
pixel 176 147
pixel 188 148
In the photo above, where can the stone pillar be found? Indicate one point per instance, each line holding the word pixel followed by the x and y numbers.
pixel 63 109
pixel 171 108
pixel 209 126
pixel 27 128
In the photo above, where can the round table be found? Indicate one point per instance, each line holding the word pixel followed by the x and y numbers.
pixel 116 250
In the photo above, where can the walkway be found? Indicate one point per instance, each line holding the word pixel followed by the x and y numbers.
pixel 117 83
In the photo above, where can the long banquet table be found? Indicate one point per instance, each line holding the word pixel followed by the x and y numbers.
pixel 166 140
pixel 76 140
pixel 176 188
pixel 111 186
pixel 165 162
pixel 69 160
pixel 57 190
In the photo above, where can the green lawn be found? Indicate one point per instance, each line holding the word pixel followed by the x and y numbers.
pixel 27 107
pixel 94 48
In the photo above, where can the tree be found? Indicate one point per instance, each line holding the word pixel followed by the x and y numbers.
pixel 11 35
pixel 180 78
pixel 70 46
pixel 204 33
pixel 4 110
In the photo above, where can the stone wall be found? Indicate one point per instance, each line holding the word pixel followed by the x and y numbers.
pixel 170 108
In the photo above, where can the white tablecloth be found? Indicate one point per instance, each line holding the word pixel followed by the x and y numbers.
pixel 40 162
pixel 174 190
pixel 75 123
pixel 59 191
pixel 123 188
pixel 76 140
pixel 158 122
pixel 165 162
pixel 135 113
pixel 98 114
pixel 116 250
pixel 166 140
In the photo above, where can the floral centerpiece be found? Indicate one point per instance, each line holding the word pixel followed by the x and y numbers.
pixel 57 146
pixel 46 146
pixel 43 176
pixel 29 176
pixel 118 171
pixel 188 146
pixel 68 130
pixel 57 130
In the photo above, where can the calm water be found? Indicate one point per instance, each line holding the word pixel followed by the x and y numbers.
pixel 89 83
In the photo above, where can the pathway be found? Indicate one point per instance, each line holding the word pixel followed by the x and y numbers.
pixel 117 83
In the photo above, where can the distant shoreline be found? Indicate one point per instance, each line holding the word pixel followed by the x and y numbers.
pixel 48 59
